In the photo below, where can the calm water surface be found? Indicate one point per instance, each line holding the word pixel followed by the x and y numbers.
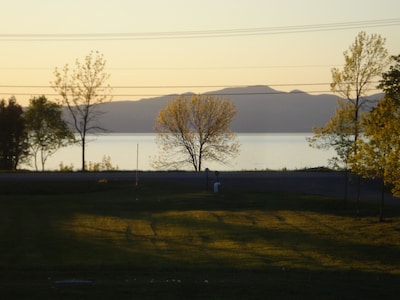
pixel 259 151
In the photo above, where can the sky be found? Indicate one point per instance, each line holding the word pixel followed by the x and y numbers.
pixel 158 47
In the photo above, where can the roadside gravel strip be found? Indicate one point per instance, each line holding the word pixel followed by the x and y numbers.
pixel 318 183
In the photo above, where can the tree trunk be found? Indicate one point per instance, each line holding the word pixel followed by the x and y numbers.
pixel 42 160
pixel 358 194
pixel 83 153
pixel 35 159
pixel 382 201
pixel 356 133
pixel 199 166
pixel 346 184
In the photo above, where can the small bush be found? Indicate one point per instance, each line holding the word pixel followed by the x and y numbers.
pixel 66 168
pixel 104 165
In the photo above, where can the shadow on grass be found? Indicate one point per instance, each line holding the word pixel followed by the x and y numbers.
pixel 231 245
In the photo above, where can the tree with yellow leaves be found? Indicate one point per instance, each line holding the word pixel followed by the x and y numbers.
pixel 378 154
pixel 364 60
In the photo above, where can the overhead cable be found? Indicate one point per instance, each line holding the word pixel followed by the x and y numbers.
pixel 186 86
pixel 215 33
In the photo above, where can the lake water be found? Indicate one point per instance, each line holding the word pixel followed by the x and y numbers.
pixel 259 151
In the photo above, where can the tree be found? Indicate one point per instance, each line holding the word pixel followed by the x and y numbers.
pixel 46 128
pixel 379 149
pixel 13 144
pixel 193 129
pixel 336 134
pixel 364 60
pixel 82 91
pixel 390 82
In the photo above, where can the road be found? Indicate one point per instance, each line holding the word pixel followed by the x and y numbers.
pixel 318 183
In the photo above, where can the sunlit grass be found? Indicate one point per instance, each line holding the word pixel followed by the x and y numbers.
pixel 235 244
pixel 247 239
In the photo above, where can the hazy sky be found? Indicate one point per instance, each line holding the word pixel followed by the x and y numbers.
pixel 193 48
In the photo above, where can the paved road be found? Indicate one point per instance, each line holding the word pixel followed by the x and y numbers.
pixel 319 183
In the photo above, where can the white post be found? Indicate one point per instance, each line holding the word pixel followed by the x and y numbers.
pixel 137 164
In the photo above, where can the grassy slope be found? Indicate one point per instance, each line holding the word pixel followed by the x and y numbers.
pixel 180 242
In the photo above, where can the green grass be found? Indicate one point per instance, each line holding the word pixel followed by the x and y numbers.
pixel 171 241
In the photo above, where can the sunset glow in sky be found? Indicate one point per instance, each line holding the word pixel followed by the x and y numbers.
pixel 162 47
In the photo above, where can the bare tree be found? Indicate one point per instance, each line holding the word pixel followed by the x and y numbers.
pixel 82 90
pixel 196 129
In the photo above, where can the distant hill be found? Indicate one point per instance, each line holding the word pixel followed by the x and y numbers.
pixel 259 109
pixel 263 109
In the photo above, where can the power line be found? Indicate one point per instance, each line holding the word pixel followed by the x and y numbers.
pixel 171 86
pixel 198 34
pixel 186 86
pixel 187 68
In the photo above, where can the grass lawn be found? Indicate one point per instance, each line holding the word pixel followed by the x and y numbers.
pixel 101 240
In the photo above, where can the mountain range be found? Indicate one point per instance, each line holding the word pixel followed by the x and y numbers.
pixel 259 109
